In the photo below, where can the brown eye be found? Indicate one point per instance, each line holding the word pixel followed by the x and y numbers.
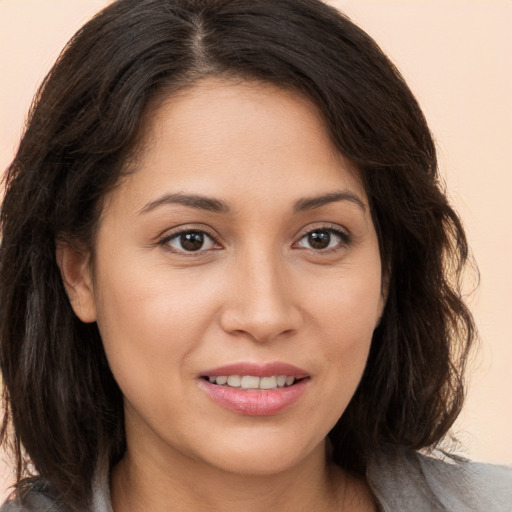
pixel 322 239
pixel 319 239
pixel 190 241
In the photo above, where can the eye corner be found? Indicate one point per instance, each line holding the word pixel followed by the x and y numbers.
pixel 189 241
pixel 324 239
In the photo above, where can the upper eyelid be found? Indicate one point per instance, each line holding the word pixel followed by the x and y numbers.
pixel 168 234
pixel 164 242
pixel 325 227
pixel 346 239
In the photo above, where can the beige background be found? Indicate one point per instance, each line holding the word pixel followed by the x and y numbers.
pixel 457 57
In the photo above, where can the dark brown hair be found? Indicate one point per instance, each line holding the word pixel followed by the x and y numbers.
pixel 59 394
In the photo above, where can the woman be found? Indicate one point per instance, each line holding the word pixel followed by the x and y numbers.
pixel 229 274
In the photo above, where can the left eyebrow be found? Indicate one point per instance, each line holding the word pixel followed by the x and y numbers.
pixel 310 203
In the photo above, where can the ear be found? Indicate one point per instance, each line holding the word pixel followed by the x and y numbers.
pixel 384 290
pixel 75 269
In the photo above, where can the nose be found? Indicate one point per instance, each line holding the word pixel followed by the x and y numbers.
pixel 262 305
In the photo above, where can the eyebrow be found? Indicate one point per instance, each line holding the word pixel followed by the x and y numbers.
pixel 209 204
pixel 214 205
pixel 332 197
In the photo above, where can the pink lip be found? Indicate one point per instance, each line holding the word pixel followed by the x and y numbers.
pixel 256 402
pixel 257 370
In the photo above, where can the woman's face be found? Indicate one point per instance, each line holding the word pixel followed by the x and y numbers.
pixel 241 248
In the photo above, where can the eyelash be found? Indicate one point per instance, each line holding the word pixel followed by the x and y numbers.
pixel 345 240
pixel 165 241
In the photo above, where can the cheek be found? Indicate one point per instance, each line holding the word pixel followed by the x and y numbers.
pixel 349 305
pixel 346 313
pixel 148 304
pixel 149 327
pixel 153 321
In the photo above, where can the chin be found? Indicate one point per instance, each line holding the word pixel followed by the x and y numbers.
pixel 264 457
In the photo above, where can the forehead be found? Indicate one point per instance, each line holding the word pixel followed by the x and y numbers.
pixel 222 135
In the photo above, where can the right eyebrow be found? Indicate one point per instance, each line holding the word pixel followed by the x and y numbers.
pixel 210 204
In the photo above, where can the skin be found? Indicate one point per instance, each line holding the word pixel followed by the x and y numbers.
pixel 256 292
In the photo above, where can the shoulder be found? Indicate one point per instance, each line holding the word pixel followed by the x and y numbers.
pixel 37 498
pixel 403 479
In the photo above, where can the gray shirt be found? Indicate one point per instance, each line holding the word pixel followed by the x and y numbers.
pixel 402 480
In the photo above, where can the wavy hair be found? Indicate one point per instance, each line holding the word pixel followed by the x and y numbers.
pixel 63 408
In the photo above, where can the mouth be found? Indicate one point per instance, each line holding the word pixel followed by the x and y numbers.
pixel 255 389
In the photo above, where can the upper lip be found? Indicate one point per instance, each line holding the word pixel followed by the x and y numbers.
pixel 257 370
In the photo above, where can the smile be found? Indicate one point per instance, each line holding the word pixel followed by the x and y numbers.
pixel 255 389
pixel 249 382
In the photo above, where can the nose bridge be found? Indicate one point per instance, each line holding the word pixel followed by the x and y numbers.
pixel 262 304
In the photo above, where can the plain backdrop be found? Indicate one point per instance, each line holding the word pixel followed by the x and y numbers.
pixel 456 55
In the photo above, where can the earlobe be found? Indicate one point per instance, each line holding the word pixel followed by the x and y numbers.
pixel 76 276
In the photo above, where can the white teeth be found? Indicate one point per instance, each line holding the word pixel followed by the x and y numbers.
pixel 253 382
pixel 234 381
pixel 268 382
pixel 250 382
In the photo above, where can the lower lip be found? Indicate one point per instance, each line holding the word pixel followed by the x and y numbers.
pixel 251 402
